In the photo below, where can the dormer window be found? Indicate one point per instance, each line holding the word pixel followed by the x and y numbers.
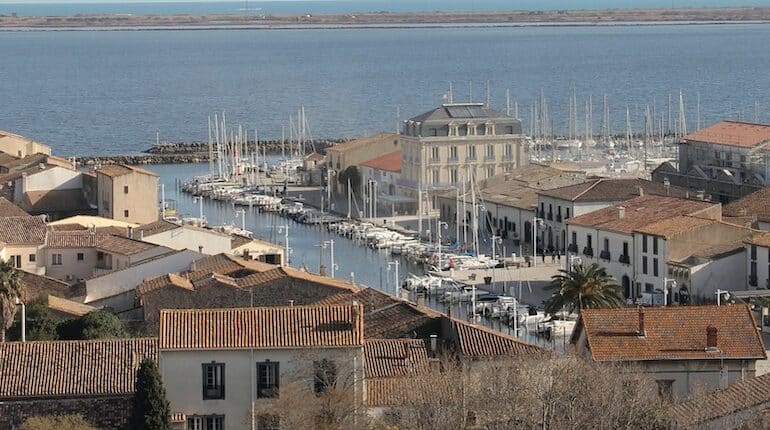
pixel 453 129
pixel 489 129
pixel 471 129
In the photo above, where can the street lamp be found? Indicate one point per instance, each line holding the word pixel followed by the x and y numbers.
pixel 666 281
pixel 534 239
pixel 439 226
pixel 395 263
pixel 499 240
pixel 572 260
pixel 285 230
pixel 330 244
pixel 23 319
pixel 199 199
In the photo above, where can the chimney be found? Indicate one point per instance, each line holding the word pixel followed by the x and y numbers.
pixel 700 195
pixel 420 297
pixel 641 191
pixel 130 232
pixel 291 303
pixel 433 345
pixel 640 332
pixel 621 212
pixel 711 339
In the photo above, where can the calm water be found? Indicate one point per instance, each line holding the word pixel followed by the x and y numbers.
pixel 92 92
pixel 333 6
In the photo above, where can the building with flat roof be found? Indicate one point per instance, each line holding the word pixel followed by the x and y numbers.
pixel 127 193
pixel 20 146
pixel 454 144
pixel 727 160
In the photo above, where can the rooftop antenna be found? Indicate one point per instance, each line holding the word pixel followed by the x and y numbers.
pixel 488 94
pixel 697 113
pixel 508 102
pixel 450 92
pixel 470 91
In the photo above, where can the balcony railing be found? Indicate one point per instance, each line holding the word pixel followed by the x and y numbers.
pixel 549 217
pixel 588 251
pixel 573 248
pixel 605 255
pixel 558 217
pixel 625 259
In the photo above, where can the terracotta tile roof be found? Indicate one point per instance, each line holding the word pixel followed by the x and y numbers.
pixel 742 395
pixel 318 279
pixel 760 239
pixel 390 358
pixel 268 328
pixel 9 209
pixel 370 298
pixel 390 162
pixel 672 333
pixel 475 341
pixel 71 368
pixel 671 227
pixel 362 142
pixel 72 239
pixel 639 212
pixel 611 190
pixel 68 307
pixel 156 227
pixel 314 157
pixel 115 170
pixel 238 241
pixel 755 204
pixel 732 133
pixel 115 244
pixel 22 230
pixel 402 320
pixel 215 279
pixel 37 286
pixel 158 282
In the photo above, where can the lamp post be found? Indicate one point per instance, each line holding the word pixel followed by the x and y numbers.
pixel 534 240
pixel 440 225
pixel 395 263
pixel 499 240
pixel 199 199
pixel 329 174
pixel 571 261
pixel 285 230
pixel 330 244
pixel 23 319
pixel 666 281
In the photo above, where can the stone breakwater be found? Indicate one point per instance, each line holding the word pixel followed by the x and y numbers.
pixel 198 152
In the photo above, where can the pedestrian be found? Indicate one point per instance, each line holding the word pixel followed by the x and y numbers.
pixel 558 256
pixel 553 256
pixel 543 255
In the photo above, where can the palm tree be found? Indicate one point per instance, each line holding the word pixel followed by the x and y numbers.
pixel 10 290
pixel 583 288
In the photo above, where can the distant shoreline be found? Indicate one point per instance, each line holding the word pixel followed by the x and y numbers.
pixel 609 17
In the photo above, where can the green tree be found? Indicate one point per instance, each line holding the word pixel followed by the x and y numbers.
pixel 151 409
pixel 69 422
pixel 98 324
pixel 353 175
pixel 583 288
pixel 11 289
pixel 41 325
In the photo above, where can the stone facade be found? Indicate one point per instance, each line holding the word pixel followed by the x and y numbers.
pixel 102 412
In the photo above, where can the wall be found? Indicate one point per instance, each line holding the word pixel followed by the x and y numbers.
pixel 182 375
pixel 141 200
pixel 119 282
pixel 103 412
pixel 691 376
pixel 22 147
pixel 104 195
pixel 37 266
pixel 763 266
pixel 613 266
pixel 193 239
pixel 55 178
pixel 71 269
pixel 728 272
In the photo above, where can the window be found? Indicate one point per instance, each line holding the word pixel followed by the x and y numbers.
pixel 16 261
pixel 644 265
pixel 325 375
pixel 453 175
pixel 508 151
pixel 574 238
pixel 267 379
pixel 434 153
pixel 125 189
pixel 56 259
pixel 213 381
pixel 648 287
pixel 654 266
pixel 125 213
pixel 434 176
pixel 589 241
pixel 32 258
pixel 81 256
pixel 606 245
pixel 490 171
pixel 206 422
pixel 567 214
pixel 268 422
pixel 490 151
pixel 471 152
pixel 99 256
pixel 625 248
pixel 665 389
pixel 754 252
pixel 655 245
pixel 644 243
pixel 453 152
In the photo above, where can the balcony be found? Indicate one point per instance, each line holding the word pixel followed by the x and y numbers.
pixel 753 281
pixel 573 248
pixel 549 217
pixel 625 259
pixel 589 252
pixel 605 255
pixel 558 217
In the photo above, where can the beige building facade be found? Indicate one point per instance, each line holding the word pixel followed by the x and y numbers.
pixel 127 193
pixel 20 146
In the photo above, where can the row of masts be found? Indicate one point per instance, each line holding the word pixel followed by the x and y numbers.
pixel 233 157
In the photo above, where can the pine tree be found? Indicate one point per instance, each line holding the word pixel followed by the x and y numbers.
pixel 151 408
